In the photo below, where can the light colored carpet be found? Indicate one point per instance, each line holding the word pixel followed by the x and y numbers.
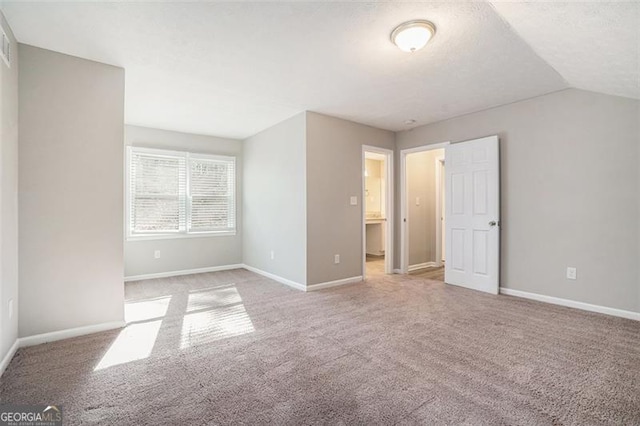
pixel 232 347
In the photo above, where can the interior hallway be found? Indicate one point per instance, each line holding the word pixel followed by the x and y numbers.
pixel 375 266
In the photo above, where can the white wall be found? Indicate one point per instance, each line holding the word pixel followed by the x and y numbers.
pixel 334 174
pixel 569 192
pixel 373 182
pixel 274 201
pixel 71 151
pixel 179 254
pixel 8 196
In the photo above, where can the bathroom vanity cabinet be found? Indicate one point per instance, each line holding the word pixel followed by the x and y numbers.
pixel 375 237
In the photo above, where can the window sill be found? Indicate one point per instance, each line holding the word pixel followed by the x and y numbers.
pixel 179 236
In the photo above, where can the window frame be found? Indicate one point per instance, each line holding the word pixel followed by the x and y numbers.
pixel 164 235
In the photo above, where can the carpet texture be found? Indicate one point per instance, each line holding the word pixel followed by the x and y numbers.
pixel 235 348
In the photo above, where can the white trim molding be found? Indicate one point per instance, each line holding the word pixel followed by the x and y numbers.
pixel 389 207
pixel 404 208
pixel 439 213
pixel 183 272
pixel 69 333
pixel 277 278
pixel 422 266
pixel 335 283
pixel 9 356
pixel 274 277
pixel 572 304
pixel 179 236
pixel 53 336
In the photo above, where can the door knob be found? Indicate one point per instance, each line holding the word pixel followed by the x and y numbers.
pixel 493 223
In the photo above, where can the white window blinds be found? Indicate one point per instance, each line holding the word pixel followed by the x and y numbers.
pixel 158 187
pixel 179 193
pixel 211 193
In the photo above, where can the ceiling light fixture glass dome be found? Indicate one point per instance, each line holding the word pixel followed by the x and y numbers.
pixel 413 35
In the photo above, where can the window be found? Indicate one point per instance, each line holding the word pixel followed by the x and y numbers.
pixel 173 193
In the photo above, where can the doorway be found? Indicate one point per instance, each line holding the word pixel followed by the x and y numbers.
pixel 473 214
pixel 468 234
pixel 377 211
pixel 423 249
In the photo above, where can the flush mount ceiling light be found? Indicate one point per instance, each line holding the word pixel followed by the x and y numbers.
pixel 413 35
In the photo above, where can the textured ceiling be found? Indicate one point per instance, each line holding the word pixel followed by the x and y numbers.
pixel 233 69
pixel 594 46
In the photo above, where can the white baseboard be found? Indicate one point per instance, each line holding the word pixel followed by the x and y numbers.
pixel 572 304
pixel 68 333
pixel 183 272
pixel 56 335
pixel 277 278
pixel 274 277
pixel 7 358
pixel 421 266
pixel 335 283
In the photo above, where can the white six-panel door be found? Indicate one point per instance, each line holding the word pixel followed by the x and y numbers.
pixel 472 212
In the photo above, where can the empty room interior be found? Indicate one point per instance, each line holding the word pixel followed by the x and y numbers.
pixel 320 213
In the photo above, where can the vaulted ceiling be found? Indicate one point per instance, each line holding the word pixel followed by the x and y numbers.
pixel 232 69
pixel 594 46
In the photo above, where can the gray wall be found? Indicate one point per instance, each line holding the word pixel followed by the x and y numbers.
pixel 71 150
pixel 274 200
pixel 178 254
pixel 421 182
pixel 334 173
pixel 570 192
pixel 8 196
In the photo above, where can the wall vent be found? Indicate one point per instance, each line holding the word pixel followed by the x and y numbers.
pixel 5 53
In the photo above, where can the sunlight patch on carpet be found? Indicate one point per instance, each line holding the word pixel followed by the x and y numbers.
pixel 215 324
pixel 210 298
pixel 134 342
pixel 144 310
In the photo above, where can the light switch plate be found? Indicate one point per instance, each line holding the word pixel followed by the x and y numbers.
pixel 572 273
pixel 354 200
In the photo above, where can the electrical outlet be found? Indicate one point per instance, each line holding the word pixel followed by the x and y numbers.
pixel 572 273
pixel 336 259
pixel 354 200
pixel 10 308
pixel 273 255
pixel 156 254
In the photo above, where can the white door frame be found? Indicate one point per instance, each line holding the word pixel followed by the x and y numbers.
pixel 388 243
pixel 439 207
pixel 404 224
